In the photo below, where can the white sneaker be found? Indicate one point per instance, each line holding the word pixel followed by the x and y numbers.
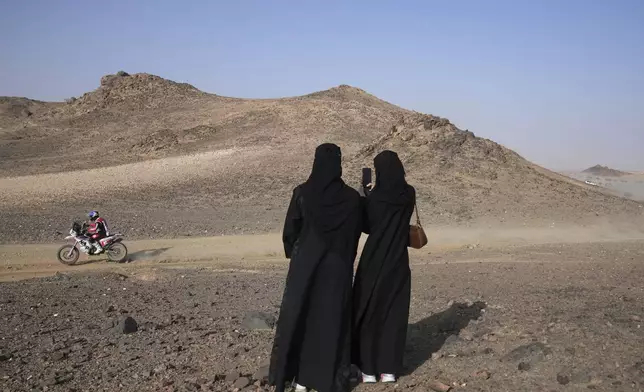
pixel 367 379
pixel 98 249
pixel 300 388
pixel 388 378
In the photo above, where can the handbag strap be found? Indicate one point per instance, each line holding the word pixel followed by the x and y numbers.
pixel 417 215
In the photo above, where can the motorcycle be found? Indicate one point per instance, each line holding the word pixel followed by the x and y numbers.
pixel 112 246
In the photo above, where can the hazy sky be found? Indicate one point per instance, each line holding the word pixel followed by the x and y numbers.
pixel 559 81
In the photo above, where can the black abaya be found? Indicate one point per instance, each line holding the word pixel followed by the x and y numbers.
pixel 382 286
pixel 321 234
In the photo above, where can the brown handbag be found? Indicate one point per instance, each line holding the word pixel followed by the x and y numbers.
pixel 417 236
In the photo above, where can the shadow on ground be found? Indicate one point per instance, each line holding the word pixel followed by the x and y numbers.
pixel 145 254
pixel 428 335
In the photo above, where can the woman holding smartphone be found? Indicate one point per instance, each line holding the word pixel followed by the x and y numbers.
pixel 382 286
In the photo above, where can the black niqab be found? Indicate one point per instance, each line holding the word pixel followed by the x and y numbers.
pixel 325 192
pixel 391 186
pixel 321 233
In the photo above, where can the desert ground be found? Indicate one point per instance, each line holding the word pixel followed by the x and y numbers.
pixel 532 280
pixel 505 311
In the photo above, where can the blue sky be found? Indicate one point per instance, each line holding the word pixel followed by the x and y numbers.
pixel 561 82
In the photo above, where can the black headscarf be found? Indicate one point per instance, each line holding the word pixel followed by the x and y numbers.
pixel 326 198
pixel 391 186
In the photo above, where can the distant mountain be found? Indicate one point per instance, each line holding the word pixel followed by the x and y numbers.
pixel 604 171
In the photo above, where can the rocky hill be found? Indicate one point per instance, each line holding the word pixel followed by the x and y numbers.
pixel 15 110
pixel 604 171
pixel 190 162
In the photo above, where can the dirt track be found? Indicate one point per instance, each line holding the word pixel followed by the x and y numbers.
pixel 24 261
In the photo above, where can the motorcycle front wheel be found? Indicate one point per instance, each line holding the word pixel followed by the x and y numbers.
pixel 116 252
pixel 68 254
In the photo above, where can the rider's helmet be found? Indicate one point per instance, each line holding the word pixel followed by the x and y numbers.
pixel 93 215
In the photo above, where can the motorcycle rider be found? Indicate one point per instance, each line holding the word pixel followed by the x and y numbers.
pixel 96 230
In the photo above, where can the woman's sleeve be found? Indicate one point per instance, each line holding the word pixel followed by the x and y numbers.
pixel 292 225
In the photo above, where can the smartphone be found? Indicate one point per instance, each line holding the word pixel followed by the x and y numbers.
pixel 366 176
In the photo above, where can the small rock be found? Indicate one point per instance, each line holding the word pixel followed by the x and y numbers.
pixel 436 356
pixel 484 374
pixel 529 353
pixel 438 386
pixel 258 321
pixel 636 318
pixel 49 381
pixel 5 355
pixel 232 376
pixel 563 379
pixel 61 276
pixel 261 375
pixel 84 357
pixel 59 356
pixel 63 378
pixel 465 353
pixel 160 369
pixel 128 325
pixel 192 386
pixel 524 366
pixel 110 308
pixel 109 324
pixel 241 383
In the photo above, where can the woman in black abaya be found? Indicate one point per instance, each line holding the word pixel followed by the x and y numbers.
pixel 321 233
pixel 382 286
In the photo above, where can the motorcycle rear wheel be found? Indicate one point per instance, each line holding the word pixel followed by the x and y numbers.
pixel 117 252
pixel 68 254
